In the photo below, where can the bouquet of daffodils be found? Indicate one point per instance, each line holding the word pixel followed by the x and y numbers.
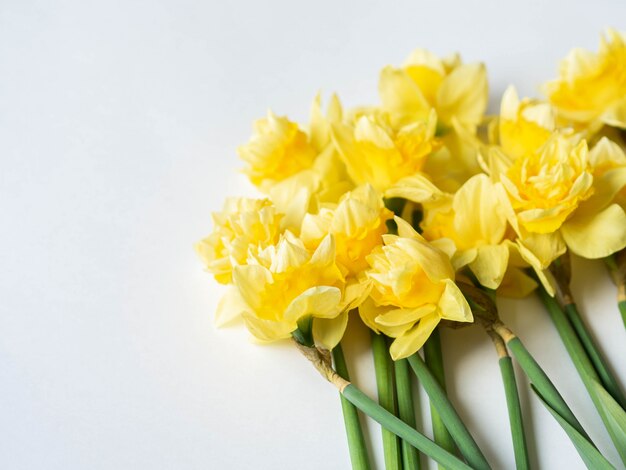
pixel 416 214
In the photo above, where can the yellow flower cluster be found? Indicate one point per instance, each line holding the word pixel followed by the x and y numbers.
pixel 494 198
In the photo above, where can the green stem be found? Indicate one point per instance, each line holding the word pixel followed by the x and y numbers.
pixel 539 378
pixel 622 309
pixel 304 333
pixel 320 359
pixel 406 412
pixel 583 364
pixel 606 377
pixel 386 398
pixel 433 357
pixel 356 441
pixel 400 428
pixel 450 417
pixel 515 413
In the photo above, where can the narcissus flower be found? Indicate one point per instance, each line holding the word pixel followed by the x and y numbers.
pixel 473 219
pixel 324 180
pixel 546 186
pixel 553 202
pixel 277 149
pixel 358 224
pixel 244 226
pixel 377 153
pixel 523 126
pixel 286 283
pixel 413 289
pixel 591 88
pixel 458 92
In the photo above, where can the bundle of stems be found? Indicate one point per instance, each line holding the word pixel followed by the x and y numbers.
pixel 561 272
pixel 321 360
pixel 486 314
pixel 611 412
pixel 395 410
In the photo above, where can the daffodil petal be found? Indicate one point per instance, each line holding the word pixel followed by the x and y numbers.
pixel 417 188
pixel 250 280
pixel 325 252
pixel 490 264
pixel 230 307
pixel 597 236
pixel 606 153
pixel 516 284
pixel 433 261
pixel 606 188
pixel 539 250
pixel 368 311
pixel 452 305
pixel 463 94
pixel 616 115
pixel 405 229
pixel 463 258
pixel 327 332
pixel 400 316
pixel 509 104
pixel 540 259
pixel 319 301
pixel 478 216
pixel 399 93
pixel 410 342
pixel 447 246
pixel 266 331
pixel 355 292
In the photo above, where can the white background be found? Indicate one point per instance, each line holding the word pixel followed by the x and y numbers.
pixel 118 127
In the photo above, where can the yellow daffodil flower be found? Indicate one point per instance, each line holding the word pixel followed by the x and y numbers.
pixel 458 92
pixel 523 126
pixel 358 223
pixel 244 226
pixel 413 289
pixel 546 186
pixel 377 153
pixel 326 180
pixel 553 202
pixel 286 283
pixel 277 149
pixel 599 223
pixel 473 219
pixel 591 87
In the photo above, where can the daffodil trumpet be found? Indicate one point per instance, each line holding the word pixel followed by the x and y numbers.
pixel 611 413
pixel 514 408
pixel 320 359
pixel 354 433
pixel 433 357
pixel 561 272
